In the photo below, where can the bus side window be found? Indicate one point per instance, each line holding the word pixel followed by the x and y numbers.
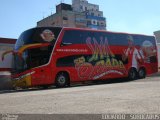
pixel 74 37
pixel 66 38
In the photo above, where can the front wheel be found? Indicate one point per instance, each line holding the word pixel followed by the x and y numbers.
pixel 62 80
pixel 141 73
pixel 132 75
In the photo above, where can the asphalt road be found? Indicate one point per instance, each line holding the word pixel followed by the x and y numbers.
pixel 142 96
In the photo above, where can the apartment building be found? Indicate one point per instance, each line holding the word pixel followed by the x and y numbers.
pixel 80 14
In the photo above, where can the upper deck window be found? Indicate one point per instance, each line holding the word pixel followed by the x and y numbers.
pixel 38 35
pixel 80 37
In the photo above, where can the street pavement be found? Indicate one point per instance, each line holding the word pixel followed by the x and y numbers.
pixel 136 97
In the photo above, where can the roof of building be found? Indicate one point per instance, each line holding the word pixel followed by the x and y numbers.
pixel 157 32
pixel 8 40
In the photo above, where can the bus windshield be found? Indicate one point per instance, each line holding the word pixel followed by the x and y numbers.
pixel 32 58
pixel 18 64
pixel 38 35
pixel 35 46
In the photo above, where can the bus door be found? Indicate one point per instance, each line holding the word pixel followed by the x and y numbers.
pixel 39 59
pixel 41 75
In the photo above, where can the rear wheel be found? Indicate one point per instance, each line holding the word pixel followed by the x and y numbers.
pixel 62 80
pixel 132 75
pixel 142 73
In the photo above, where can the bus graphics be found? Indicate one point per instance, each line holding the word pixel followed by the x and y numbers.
pixel 104 61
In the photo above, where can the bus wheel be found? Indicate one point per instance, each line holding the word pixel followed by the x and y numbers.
pixel 142 73
pixel 132 75
pixel 62 80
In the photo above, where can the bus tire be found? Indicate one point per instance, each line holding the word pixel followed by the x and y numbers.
pixel 132 74
pixel 62 79
pixel 142 73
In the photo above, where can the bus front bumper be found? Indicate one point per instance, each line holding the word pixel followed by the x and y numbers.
pixel 22 81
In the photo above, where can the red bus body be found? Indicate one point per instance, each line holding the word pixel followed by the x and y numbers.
pixel 81 54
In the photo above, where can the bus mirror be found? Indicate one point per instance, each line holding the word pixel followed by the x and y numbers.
pixel 30 46
pixel 5 53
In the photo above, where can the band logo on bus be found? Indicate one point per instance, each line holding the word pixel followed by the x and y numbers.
pixel 103 58
pixel 47 35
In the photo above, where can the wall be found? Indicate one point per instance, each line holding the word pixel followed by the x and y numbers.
pixel 6 45
pixel 157 35
pixel 5 65
pixel 158 46
pixel 64 18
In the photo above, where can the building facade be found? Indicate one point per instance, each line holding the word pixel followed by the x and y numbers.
pixel 157 35
pixel 64 16
pixel 6 44
pixel 94 16
pixel 80 14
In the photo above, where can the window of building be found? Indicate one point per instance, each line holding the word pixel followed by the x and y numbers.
pixel 86 9
pixel 97 23
pixel 92 14
pixel 88 22
pixel 53 23
pixel 94 22
pixel 102 23
pixel 81 7
pixel 65 18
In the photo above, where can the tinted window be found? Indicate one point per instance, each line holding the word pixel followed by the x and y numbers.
pixel 75 37
pixel 80 37
pixel 38 56
pixel 140 39
pixel 122 39
pixel 113 39
pixel 36 35
pixel 69 60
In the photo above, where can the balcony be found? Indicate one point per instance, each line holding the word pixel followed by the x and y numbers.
pixel 96 17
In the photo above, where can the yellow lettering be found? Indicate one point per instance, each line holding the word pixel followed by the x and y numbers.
pixel 102 62
pixel 121 65
pixel 115 63
pixel 108 62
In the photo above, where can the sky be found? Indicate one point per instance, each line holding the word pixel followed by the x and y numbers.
pixel 133 16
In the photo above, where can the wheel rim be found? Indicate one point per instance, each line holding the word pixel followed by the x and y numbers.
pixel 141 73
pixel 132 74
pixel 61 80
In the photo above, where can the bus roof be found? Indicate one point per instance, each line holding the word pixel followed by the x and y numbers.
pixel 87 29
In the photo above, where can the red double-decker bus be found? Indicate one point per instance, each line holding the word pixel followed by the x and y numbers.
pixel 59 56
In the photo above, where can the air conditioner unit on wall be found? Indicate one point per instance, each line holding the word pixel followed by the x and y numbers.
pixel 94 22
